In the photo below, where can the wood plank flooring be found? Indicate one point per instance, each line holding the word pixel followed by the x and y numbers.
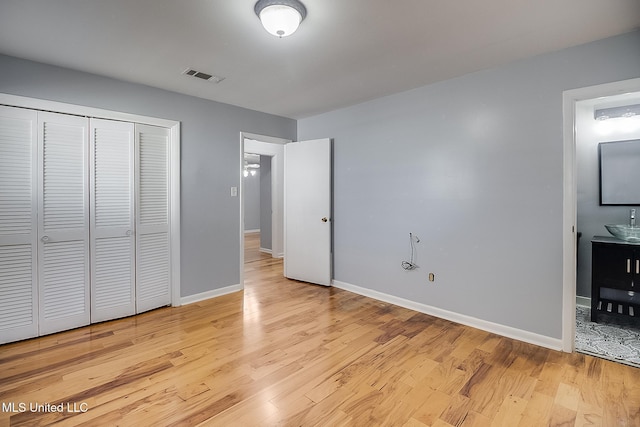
pixel 252 248
pixel 285 353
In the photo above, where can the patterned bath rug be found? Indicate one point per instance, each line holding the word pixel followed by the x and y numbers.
pixel 614 337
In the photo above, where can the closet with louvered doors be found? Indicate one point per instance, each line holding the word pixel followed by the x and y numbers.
pixel 84 221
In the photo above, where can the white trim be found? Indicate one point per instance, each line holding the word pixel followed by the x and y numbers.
pixel 214 293
pixel 240 194
pixel 266 251
pixel 265 138
pixel 568 225
pixel 254 231
pixel 174 226
pixel 174 173
pixel 583 301
pixel 79 110
pixel 569 200
pixel 506 331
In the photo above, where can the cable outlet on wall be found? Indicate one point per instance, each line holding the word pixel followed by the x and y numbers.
pixel 432 277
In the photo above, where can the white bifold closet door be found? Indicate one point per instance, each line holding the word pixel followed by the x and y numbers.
pixel 112 220
pixel 153 275
pixel 84 221
pixel 18 224
pixel 63 224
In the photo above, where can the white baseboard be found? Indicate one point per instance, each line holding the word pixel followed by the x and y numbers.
pixel 190 299
pixel 583 301
pixel 251 231
pixel 506 331
pixel 266 251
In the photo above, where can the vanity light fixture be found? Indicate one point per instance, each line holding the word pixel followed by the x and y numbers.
pixel 280 17
pixel 615 112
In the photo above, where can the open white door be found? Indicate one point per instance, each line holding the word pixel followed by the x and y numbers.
pixel 307 211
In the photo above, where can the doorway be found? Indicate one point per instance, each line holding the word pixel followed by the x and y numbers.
pixel 267 151
pixel 256 176
pixel 578 106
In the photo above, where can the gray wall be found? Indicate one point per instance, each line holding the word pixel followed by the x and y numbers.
pixel 210 223
pixel 265 203
pixel 474 167
pixel 591 217
pixel 252 202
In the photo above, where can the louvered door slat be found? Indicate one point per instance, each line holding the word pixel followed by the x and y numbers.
pixel 112 222
pixel 153 194
pixel 64 176
pixel 64 281
pixel 18 224
pixel 153 284
pixel 17 293
pixel 113 286
pixel 16 171
pixel 153 266
pixel 64 223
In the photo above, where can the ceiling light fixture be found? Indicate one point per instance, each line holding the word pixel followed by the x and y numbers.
pixel 250 169
pixel 280 17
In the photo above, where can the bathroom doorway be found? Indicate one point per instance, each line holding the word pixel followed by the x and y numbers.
pixel 585 218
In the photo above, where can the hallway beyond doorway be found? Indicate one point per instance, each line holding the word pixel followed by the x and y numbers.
pixel 252 248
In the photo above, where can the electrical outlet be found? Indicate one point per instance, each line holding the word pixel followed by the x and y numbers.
pixel 432 277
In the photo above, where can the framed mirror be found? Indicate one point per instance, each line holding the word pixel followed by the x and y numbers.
pixel 619 163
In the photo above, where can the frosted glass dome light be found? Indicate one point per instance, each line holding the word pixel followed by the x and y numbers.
pixel 280 17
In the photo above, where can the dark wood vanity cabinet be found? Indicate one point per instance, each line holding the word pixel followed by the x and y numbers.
pixel 616 266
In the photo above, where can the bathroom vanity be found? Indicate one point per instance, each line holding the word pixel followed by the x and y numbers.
pixel 615 277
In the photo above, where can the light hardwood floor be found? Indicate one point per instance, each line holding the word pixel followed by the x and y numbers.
pixel 285 353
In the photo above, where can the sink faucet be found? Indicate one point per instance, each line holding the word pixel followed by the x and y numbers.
pixel 632 218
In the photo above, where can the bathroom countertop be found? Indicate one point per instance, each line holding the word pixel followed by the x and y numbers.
pixel 611 239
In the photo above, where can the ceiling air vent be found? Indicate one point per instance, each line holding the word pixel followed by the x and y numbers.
pixel 204 76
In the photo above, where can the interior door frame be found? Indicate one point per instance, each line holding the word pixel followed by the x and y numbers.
pixel 277 189
pixel 570 198
pixel 174 163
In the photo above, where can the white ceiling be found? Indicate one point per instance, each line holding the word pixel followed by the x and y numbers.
pixel 344 53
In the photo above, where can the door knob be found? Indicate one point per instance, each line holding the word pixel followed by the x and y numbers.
pixel 129 233
pixel 45 238
pixel 324 219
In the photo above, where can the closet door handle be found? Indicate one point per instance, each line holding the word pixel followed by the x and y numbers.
pixel 129 233
pixel 45 239
pixel 638 266
pixel 628 265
